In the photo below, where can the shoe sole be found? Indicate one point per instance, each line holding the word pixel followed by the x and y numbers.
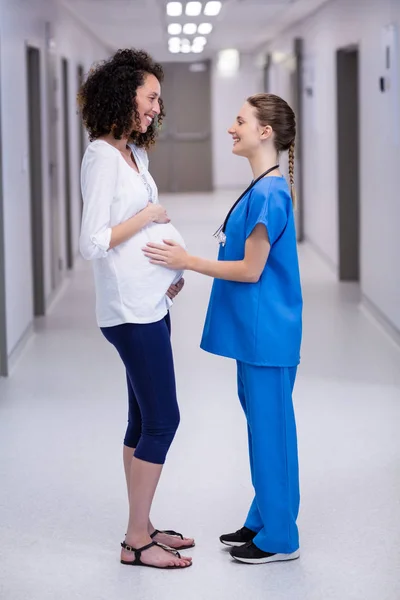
pixel 233 544
pixel 269 559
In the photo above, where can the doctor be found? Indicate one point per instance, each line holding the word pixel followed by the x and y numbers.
pixel 255 317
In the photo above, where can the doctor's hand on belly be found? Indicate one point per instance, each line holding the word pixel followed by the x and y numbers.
pixel 170 255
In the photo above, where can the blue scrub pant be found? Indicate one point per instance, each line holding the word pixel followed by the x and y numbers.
pixel 266 397
pixel 153 418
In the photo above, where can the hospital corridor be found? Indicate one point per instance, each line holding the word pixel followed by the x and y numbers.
pixel 63 388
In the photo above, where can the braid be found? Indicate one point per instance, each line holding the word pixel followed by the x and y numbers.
pixel 291 173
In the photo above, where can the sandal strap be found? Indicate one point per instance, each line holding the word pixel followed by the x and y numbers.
pixel 138 551
pixel 167 532
pixel 175 533
pixel 168 549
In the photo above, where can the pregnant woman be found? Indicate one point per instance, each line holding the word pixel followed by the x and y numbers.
pixel 121 108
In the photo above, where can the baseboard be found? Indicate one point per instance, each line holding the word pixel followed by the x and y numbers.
pixel 20 347
pixel 34 327
pixel 379 319
pixel 55 296
pixel 327 260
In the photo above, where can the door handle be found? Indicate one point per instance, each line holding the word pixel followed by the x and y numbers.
pixel 196 136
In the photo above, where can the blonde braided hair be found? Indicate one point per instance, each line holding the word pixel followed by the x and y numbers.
pixel 291 172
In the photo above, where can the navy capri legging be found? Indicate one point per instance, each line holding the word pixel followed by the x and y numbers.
pixel 145 350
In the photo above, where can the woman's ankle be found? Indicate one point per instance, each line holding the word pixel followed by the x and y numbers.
pixel 138 539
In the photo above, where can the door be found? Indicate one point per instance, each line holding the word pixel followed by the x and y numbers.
pixel 34 108
pixel 81 129
pixel 67 167
pixel 285 78
pixel 348 162
pixel 181 160
pixel 266 74
pixel 297 105
pixel 52 123
pixel 3 322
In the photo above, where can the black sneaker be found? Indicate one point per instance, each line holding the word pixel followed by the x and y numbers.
pixel 249 553
pixel 240 537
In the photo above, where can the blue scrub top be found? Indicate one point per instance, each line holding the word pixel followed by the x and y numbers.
pixel 259 323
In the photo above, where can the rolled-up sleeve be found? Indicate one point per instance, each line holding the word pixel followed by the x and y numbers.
pixel 98 181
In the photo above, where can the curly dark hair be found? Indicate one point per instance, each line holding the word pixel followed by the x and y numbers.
pixel 107 99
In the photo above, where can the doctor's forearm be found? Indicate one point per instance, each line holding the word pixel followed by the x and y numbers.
pixel 237 270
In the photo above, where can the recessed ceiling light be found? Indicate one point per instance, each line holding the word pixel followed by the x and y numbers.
pixel 193 9
pixel 174 28
pixel 174 9
pixel 212 8
pixel 174 41
pixel 185 49
pixel 197 48
pixel 174 47
pixel 204 28
pixel 200 41
pixel 228 62
pixel 189 28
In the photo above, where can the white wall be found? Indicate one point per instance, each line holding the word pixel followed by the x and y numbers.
pixel 227 96
pixel 23 23
pixel 338 24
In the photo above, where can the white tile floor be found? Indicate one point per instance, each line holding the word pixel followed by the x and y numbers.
pixel 62 418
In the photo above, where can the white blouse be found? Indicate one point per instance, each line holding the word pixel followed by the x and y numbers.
pixel 129 289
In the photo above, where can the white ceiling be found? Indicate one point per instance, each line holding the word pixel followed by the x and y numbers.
pixel 241 24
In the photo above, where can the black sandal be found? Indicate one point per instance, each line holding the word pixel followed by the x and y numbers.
pixel 138 553
pixel 175 534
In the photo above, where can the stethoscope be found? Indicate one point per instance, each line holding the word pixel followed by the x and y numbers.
pixel 220 233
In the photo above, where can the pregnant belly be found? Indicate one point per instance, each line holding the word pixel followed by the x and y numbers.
pixel 140 282
pixel 158 232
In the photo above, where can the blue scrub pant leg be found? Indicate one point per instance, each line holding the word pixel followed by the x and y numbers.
pixel 266 397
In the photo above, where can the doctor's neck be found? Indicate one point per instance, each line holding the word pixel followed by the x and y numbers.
pixel 263 159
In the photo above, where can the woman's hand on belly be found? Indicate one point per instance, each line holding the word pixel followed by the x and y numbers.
pixel 158 214
pixel 170 255
pixel 174 290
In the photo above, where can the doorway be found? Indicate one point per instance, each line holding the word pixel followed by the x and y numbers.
pixel 36 180
pixel 283 75
pixel 267 74
pixel 3 321
pixel 297 105
pixel 53 167
pixel 181 160
pixel 81 128
pixel 67 166
pixel 347 63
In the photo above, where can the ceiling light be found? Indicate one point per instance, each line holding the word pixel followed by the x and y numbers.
pixel 174 28
pixel 174 47
pixel 204 28
pixel 212 8
pixel 189 28
pixel 185 49
pixel 200 41
pixel 174 9
pixel 197 48
pixel 174 41
pixel 228 62
pixel 193 9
